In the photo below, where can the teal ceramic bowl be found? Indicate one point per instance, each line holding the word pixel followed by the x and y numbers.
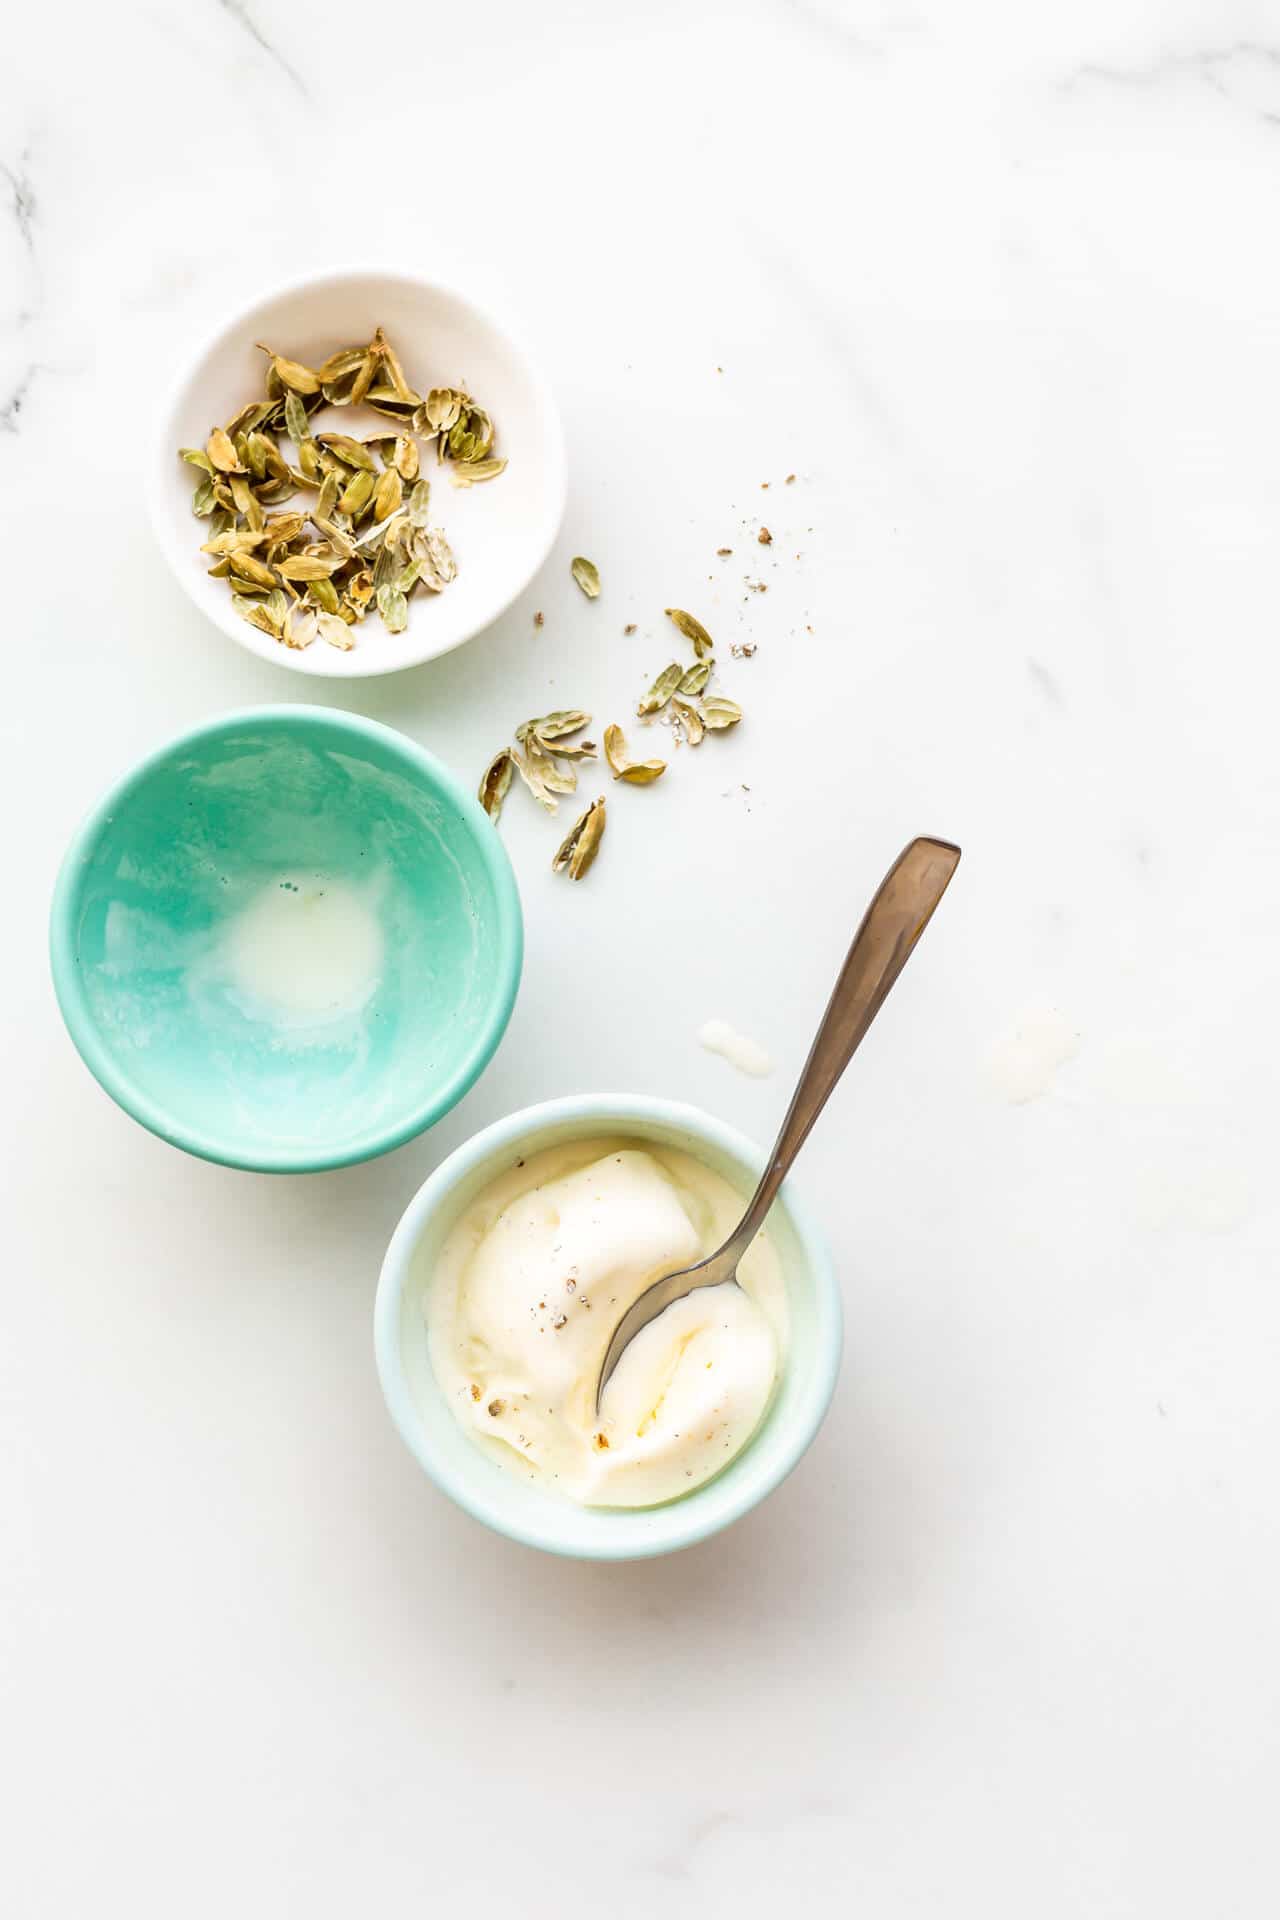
pixel 288 940
pixel 529 1514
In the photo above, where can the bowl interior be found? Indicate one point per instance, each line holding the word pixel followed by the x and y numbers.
pixel 528 1513
pixel 287 940
pixel 500 531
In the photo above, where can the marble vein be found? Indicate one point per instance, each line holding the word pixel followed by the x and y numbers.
pixel 835 32
pixel 1211 65
pixel 240 13
pixel 11 409
pixel 1044 682
pixel 24 201
pixel 678 1863
pixel 740 1831
pixel 790 274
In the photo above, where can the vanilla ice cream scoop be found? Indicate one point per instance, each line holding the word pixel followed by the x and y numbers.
pixel 533 1279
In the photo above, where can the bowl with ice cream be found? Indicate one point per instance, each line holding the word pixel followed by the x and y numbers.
pixel 287 941
pixel 505 1279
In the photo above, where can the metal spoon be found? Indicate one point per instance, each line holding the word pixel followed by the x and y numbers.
pixel 892 924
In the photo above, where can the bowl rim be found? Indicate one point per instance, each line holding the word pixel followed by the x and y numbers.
pixel 69 985
pixel 361 663
pixel 683 1526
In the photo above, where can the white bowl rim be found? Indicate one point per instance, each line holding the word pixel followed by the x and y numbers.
pixel 361 663
pixel 684 1526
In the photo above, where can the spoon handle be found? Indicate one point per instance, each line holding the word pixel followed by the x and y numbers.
pixel 898 915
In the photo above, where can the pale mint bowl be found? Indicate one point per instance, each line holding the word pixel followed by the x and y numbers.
pixel 542 1519
pixel 309 799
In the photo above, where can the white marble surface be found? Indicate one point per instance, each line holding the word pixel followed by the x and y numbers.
pixel 999 284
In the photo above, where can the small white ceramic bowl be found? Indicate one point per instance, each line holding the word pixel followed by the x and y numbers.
pixel 500 531
pixel 527 1513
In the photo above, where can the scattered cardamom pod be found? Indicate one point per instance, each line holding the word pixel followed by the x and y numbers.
pixel 387 494
pixel 363 378
pixel 470 475
pixel 300 627
pixel 222 453
pixel 437 566
pixel 496 782
pixel 693 630
pixel 440 411
pixel 690 719
pixel 324 594
pixel 582 843
pixel 295 419
pixel 554 726
pixel 555 776
pixel 640 773
pixel 393 605
pixel 717 712
pixel 352 453
pixel 335 631
pixel 306 566
pixel 394 371
pixel 248 567
pixel 340 365
pixel 291 373
pixel 662 689
pixel 533 779
pixel 251 611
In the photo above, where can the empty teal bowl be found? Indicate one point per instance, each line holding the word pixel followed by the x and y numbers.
pixel 289 940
